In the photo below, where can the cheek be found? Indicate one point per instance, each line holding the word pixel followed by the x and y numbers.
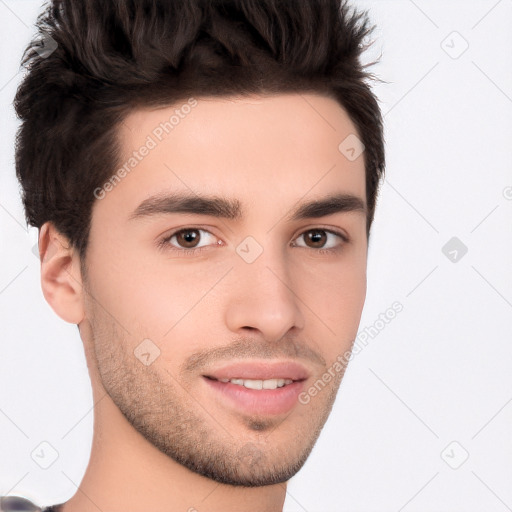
pixel 341 301
pixel 336 298
pixel 150 299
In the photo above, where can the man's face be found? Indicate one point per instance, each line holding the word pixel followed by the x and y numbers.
pixel 258 289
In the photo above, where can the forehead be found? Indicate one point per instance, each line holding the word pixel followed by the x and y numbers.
pixel 280 147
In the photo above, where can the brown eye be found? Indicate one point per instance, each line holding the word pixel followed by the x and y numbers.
pixel 324 240
pixel 188 238
pixel 315 238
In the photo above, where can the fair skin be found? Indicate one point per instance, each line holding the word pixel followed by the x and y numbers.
pixel 166 435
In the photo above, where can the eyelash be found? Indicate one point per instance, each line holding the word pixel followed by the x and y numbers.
pixel 165 245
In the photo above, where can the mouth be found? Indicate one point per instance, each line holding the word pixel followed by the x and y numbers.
pixel 257 383
pixel 258 387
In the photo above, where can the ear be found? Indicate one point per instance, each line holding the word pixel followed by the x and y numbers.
pixel 61 279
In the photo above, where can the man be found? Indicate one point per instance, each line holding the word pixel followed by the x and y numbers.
pixel 204 177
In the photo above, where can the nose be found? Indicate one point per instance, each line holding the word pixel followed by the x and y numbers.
pixel 263 298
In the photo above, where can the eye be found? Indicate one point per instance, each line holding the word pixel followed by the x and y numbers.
pixel 323 239
pixel 190 238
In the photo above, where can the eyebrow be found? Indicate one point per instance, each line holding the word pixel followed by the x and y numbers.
pixel 231 209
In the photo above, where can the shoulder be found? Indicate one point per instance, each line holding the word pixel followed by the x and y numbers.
pixel 17 504
pixel 20 504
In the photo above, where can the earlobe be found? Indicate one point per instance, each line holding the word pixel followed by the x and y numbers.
pixel 61 280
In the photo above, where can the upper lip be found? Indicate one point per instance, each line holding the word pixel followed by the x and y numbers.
pixel 260 370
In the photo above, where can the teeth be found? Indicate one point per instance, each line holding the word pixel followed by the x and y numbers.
pixel 259 384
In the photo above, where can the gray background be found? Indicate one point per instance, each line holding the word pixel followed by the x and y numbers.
pixel 422 420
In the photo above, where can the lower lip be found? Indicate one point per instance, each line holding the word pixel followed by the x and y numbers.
pixel 259 401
